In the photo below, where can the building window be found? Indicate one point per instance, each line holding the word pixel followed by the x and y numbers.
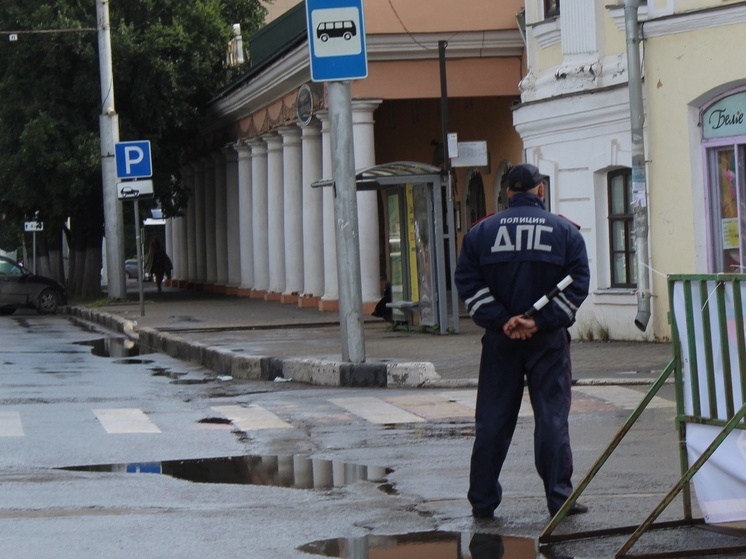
pixel 551 8
pixel 621 230
pixel 727 208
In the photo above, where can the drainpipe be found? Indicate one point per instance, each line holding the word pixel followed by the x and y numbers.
pixel 639 180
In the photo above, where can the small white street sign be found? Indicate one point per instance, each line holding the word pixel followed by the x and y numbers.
pixel 135 190
pixel 33 226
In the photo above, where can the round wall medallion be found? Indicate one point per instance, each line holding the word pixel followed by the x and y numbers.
pixel 304 105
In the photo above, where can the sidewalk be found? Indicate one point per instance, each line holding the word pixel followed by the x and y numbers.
pixel 253 338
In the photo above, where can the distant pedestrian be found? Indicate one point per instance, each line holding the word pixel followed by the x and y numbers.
pixel 158 264
pixel 507 262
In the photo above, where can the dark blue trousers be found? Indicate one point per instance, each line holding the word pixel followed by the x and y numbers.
pixel 544 361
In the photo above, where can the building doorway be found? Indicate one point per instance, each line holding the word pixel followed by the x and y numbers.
pixel 476 205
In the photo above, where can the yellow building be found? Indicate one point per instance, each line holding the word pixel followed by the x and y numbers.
pixel 574 120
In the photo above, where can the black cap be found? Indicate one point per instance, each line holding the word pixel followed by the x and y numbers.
pixel 523 177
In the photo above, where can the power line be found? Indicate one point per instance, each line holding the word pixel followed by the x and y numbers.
pixel 407 31
pixel 40 31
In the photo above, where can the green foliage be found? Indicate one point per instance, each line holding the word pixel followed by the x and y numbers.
pixel 168 58
pixel 167 63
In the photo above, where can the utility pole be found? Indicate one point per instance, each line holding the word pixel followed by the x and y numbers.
pixel 109 128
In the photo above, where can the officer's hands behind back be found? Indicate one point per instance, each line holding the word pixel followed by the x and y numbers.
pixel 520 328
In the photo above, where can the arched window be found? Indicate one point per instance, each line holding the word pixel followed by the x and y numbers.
pixel 724 138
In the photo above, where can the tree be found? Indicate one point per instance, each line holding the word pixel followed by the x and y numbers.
pixel 168 57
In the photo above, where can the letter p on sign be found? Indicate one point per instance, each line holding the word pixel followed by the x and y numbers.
pixel 133 159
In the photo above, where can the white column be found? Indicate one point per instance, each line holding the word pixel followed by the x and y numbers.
pixel 259 214
pixel 330 299
pixel 231 197
pixel 211 260
pixel 275 209
pixel 200 260
pixel 169 233
pixel 292 173
pixel 179 247
pixel 190 246
pixel 245 219
pixel 221 225
pixel 181 258
pixel 367 203
pixel 313 218
pixel 176 241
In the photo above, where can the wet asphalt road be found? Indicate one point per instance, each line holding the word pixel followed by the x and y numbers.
pixel 54 392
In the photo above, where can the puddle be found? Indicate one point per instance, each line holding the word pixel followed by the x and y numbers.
pixel 443 545
pixel 299 472
pixel 389 489
pixel 133 361
pixel 113 347
pixel 216 420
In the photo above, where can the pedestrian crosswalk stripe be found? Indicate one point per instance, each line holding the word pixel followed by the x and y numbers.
pixel 376 410
pixel 431 406
pixel 526 410
pixel 125 420
pixel 400 408
pixel 10 424
pixel 251 418
pixel 468 399
pixel 624 398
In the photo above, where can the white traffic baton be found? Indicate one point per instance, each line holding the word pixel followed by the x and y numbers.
pixel 538 305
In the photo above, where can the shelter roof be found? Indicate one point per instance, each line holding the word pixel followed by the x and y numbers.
pixel 391 174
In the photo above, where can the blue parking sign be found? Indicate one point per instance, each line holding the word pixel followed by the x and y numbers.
pixel 133 159
pixel 336 40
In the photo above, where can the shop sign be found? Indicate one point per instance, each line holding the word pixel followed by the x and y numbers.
pixel 725 118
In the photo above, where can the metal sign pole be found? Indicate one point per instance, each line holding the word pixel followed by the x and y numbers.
pixel 336 42
pixel 139 257
pixel 345 211
pixel 33 236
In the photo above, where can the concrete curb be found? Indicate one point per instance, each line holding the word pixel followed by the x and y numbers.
pixel 308 371
pixel 254 367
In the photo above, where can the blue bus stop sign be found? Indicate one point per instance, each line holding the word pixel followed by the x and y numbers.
pixel 336 40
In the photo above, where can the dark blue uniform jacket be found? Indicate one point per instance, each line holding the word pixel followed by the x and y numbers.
pixel 511 259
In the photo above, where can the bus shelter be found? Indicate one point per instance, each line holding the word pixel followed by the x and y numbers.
pixel 420 241
pixel 709 368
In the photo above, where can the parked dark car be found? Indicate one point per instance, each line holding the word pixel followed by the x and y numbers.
pixel 19 288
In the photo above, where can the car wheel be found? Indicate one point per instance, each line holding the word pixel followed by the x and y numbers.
pixel 127 275
pixel 48 302
pixel 5 311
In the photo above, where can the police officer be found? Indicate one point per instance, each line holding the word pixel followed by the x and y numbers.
pixel 508 261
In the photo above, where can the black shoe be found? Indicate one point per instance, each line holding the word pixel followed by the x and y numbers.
pixel 482 513
pixel 577 508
